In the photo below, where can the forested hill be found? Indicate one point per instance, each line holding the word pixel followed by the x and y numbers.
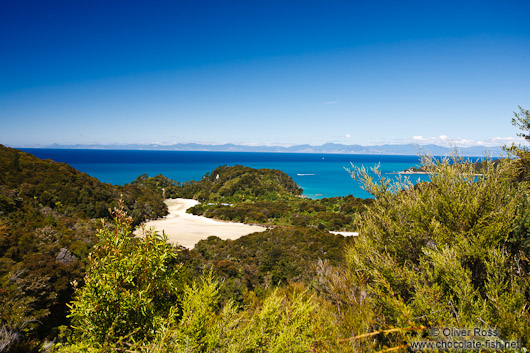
pixel 25 178
pixel 240 183
pixel 48 224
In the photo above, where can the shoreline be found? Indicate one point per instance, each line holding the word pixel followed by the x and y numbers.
pixel 187 230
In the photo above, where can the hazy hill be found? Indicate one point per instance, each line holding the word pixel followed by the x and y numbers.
pixel 395 149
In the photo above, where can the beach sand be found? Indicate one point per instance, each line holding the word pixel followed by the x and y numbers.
pixel 347 234
pixel 186 229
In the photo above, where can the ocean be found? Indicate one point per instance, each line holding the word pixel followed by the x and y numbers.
pixel 320 175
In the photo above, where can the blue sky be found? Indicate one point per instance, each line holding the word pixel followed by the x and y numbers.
pixel 262 72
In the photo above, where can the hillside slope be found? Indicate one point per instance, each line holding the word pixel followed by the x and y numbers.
pixel 48 223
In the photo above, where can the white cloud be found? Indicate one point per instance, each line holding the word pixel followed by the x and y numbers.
pixel 348 136
pixel 332 102
pixel 460 142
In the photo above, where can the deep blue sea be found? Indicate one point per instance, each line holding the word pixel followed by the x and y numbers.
pixel 320 175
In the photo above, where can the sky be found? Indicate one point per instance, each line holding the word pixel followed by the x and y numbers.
pixel 262 72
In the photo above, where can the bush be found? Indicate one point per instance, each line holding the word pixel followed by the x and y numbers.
pixel 130 286
pixel 440 253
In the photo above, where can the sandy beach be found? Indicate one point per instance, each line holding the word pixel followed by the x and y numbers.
pixel 347 234
pixel 186 229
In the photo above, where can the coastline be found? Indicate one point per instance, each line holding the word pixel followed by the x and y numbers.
pixel 187 230
pixel 346 234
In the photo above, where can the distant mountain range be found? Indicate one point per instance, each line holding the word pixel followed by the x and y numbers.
pixel 408 149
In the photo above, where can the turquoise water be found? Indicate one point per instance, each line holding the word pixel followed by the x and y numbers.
pixel 320 175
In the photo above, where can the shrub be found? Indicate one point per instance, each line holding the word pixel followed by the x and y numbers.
pixel 130 286
pixel 439 253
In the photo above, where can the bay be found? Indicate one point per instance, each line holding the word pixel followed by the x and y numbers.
pixel 320 175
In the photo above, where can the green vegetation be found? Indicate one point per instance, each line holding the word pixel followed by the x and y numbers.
pixel 239 184
pixel 129 283
pixel 441 255
pixel 48 223
pixel 264 196
pixel 521 120
pixel 450 253
pixel 48 219
pixel 135 299
pixel 275 257
pixel 478 167
pixel 336 213
pixel 24 178
pixel 163 186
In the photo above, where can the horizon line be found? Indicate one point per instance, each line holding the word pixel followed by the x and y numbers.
pixel 243 145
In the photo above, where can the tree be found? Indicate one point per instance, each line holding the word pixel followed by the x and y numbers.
pixel 131 286
pixel 521 120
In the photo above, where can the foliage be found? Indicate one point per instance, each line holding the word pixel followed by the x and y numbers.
pixel 162 185
pixel 266 196
pixel 239 183
pixel 40 254
pixel 129 288
pixel 478 167
pixel 441 253
pixel 24 177
pixel 134 298
pixel 267 259
pixel 336 213
pixel 278 324
pixel 452 252
pixel 263 196
pixel 47 216
pixel 521 120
